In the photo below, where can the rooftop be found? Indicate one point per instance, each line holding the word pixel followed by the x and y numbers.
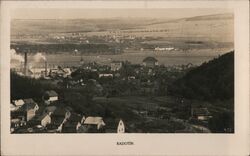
pixel 29 104
pixel 28 101
pixel 42 117
pixel 19 102
pixel 93 120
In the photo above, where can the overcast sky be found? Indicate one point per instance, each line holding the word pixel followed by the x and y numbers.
pixel 111 13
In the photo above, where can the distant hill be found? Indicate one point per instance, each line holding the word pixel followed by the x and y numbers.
pixel 210 81
pixel 218 27
pixel 50 26
pixel 212 17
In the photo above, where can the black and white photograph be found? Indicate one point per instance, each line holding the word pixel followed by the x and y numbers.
pixel 122 71
pixel 124 78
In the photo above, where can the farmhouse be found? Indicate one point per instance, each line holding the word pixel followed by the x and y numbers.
pixel 150 62
pixel 16 123
pixel 50 96
pixel 29 108
pixel 121 127
pixel 92 125
pixel 44 120
pixel 105 75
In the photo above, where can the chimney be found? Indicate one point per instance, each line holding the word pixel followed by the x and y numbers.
pixel 25 64
pixel 46 70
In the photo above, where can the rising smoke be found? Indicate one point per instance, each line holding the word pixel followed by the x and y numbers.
pixel 39 57
pixel 18 59
pixel 15 56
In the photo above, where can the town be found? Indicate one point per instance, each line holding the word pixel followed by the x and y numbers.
pixel 56 112
pixel 126 75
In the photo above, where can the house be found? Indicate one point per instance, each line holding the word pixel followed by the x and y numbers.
pixel 16 123
pixel 29 108
pixel 44 120
pixel 13 107
pixel 92 125
pixel 164 49
pixel 67 72
pixel 116 65
pixel 121 127
pixel 201 114
pixel 150 62
pixel 50 96
pixel 105 75
pixel 18 103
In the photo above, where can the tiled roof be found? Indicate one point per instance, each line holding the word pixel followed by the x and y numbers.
pixel 93 120
pixel 28 104
pixel 42 117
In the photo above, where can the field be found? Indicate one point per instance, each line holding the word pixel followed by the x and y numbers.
pixel 194 40
pixel 147 114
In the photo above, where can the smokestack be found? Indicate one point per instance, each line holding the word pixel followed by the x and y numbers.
pixel 46 70
pixel 25 64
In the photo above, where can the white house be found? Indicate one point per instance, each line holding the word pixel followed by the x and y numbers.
pixel 67 72
pixel 18 103
pixel 164 49
pixel 121 127
pixel 44 120
pixel 105 75
pixel 95 121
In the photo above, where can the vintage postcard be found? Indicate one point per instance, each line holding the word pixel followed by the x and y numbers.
pixel 128 75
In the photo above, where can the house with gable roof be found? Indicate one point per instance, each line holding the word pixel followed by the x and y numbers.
pixel 150 62
pixel 92 125
pixel 29 108
pixel 50 97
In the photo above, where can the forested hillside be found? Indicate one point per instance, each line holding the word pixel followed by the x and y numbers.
pixel 211 81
